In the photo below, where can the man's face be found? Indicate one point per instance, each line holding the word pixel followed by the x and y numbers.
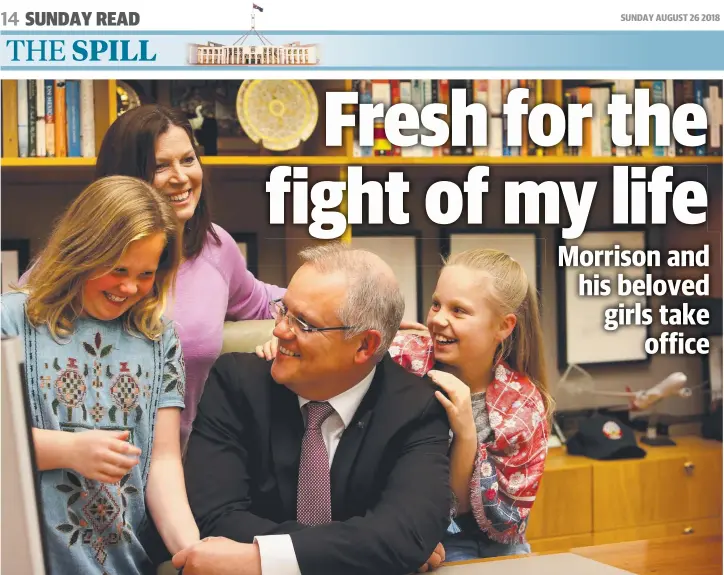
pixel 315 365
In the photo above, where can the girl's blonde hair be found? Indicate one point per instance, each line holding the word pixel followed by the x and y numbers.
pixel 509 291
pixel 88 240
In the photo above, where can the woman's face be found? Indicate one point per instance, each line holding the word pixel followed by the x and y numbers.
pixel 178 172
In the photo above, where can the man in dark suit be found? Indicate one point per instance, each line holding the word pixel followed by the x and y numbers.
pixel 334 459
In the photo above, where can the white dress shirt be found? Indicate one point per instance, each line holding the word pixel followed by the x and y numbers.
pixel 277 551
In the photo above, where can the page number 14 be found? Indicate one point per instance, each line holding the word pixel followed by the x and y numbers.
pixel 12 19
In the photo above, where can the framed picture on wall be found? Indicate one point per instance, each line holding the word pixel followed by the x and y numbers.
pixel 402 252
pixel 15 260
pixel 712 371
pixel 524 246
pixel 582 337
pixel 247 246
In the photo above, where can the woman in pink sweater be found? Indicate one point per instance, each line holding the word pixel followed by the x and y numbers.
pixel 155 144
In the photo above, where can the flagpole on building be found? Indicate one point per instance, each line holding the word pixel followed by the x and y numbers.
pixel 253 29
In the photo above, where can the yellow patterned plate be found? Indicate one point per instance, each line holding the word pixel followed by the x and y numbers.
pixel 281 114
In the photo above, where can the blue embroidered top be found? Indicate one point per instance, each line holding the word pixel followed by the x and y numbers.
pixel 102 378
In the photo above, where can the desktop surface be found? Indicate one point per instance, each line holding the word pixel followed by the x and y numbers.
pixel 690 554
pixel 553 564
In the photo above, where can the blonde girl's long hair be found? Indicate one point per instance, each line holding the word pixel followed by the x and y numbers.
pixel 88 240
pixel 511 292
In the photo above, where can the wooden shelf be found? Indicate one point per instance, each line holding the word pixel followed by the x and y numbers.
pixel 274 160
pixel 530 160
pixel 230 161
pixel 46 162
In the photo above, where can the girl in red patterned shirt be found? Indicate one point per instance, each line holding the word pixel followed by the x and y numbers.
pixel 485 351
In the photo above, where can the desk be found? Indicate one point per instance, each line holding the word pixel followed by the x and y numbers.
pixel 689 555
pixel 692 555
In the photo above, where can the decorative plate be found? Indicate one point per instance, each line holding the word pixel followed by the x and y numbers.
pixel 279 114
pixel 126 97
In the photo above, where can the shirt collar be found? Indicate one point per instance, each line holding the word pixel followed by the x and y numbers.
pixel 347 402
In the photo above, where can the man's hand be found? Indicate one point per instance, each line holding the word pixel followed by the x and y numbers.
pixel 436 559
pixel 219 556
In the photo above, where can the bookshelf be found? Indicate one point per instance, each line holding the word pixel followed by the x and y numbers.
pixel 105 112
pixel 248 164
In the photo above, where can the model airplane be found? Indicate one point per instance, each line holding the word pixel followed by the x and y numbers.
pixel 673 385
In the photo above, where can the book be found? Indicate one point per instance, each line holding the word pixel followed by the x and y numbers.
pixel 72 110
pixel 87 120
pixel 32 88
pixel 23 134
pixel 40 147
pixel 10 118
pixel 61 124
pixel 49 89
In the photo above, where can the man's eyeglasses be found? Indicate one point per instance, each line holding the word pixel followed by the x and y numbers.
pixel 279 312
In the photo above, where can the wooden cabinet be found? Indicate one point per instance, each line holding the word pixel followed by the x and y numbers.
pixel 564 503
pixel 698 527
pixel 638 492
pixel 673 490
pixel 704 483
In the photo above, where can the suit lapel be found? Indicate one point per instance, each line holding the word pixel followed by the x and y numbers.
pixel 350 443
pixel 287 431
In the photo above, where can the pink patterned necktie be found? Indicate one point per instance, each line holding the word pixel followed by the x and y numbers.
pixel 314 505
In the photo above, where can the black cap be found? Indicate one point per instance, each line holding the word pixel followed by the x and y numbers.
pixel 604 437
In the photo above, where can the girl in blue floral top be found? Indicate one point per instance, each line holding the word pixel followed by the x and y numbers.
pixel 105 378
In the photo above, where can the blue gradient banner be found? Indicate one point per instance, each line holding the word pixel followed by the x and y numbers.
pixel 172 50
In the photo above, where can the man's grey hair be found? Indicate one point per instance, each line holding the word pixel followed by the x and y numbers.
pixel 374 299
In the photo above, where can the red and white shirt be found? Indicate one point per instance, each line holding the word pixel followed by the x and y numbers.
pixel 507 471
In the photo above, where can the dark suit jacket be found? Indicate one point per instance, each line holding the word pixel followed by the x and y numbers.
pixel 389 477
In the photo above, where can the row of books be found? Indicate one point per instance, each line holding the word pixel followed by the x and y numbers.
pixel 597 139
pixel 420 93
pixel 49 118
pixel 493 94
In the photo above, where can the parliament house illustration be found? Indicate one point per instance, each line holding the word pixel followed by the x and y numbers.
pixel 265 54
